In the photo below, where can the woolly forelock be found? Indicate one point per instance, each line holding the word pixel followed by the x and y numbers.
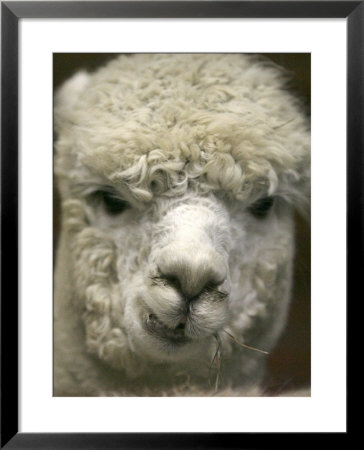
pixel 157 122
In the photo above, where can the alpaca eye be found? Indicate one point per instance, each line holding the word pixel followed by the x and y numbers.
pixel 261 207
pixel 112 204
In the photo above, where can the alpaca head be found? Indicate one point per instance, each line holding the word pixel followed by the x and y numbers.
pixel 178 176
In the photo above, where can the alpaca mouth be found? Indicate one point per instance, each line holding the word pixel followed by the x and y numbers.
pixel 156 327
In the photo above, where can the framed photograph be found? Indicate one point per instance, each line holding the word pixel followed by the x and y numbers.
pixel 163 167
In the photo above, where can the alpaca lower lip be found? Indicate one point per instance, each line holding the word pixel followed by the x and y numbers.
pixel 155 326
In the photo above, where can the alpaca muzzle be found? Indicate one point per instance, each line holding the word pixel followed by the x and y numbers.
pixel 189 293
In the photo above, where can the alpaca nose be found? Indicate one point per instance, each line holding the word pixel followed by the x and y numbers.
pixel 191 269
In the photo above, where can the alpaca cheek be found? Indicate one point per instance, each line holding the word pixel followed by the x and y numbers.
pixel 95 279
pixel 262 283
pixel 94 260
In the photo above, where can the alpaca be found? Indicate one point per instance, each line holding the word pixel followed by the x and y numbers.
pixel 178 175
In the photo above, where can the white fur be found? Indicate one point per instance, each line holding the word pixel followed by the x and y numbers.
pixel 190 142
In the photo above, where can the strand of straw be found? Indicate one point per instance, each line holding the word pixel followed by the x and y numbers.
pixel 244 345
pixel 217 358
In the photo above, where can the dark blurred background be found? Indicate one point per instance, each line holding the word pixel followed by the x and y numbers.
pixel 289 366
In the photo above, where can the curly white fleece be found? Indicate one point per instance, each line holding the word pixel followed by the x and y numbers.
pixel 191 142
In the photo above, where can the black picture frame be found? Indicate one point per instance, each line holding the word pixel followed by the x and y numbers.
pixel 12 12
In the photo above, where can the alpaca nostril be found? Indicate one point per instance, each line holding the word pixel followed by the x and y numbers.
pixel 173 280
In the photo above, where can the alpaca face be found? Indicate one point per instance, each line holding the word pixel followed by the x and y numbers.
pixel 162 280
pixel 178 210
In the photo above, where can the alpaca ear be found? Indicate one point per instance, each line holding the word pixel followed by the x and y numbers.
pixel 66 96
